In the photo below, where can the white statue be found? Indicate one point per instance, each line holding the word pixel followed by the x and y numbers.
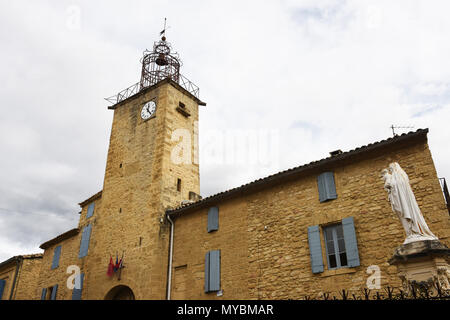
pixel 403 202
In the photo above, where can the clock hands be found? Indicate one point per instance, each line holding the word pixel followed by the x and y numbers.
pixel 148 110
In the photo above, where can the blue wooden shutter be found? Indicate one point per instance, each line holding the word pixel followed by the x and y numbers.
pixel 330 185
pixel 55 289
pixel 214 270
pixel 44 293
pixel 56 255
pixel 327 187
pixel 90 210
pixel 84 245
pixel 315 249
pixel 207 272
pixel 2 287
pixel 213 219
pixel 78 289
pixel 351 245
pixel 322 188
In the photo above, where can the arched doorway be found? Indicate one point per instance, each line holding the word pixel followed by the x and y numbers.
pixel 120 293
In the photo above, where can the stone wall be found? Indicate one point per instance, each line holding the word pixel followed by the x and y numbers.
pixel 140 183
pixel 49 277
pixel 27 279
pixel 192 242
pixel 7 273
pixel 264 241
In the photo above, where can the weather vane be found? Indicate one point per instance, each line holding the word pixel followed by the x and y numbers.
pixel 163 32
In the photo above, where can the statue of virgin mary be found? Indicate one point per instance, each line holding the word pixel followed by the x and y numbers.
pixel 403 202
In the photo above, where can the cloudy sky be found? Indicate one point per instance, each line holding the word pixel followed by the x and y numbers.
pixel 295 79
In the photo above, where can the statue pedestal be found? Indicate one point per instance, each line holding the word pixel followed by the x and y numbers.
pixel 422 266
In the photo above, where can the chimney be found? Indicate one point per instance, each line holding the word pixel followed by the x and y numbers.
pixel 336 152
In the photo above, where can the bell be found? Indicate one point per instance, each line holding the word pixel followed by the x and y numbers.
pixel 161 60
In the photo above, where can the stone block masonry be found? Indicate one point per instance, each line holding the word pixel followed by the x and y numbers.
pixel 263 234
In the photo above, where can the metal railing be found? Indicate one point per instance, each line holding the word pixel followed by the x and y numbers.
pixel 189 86
pixel 416 290
pixel 135 88
pixel 124 94
pixel 446 193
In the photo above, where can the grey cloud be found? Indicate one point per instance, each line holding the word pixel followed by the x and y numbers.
pixel 426 110
pixel 305 125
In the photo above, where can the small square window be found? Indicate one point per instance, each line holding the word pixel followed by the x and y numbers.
pixel 183 110
pixel 194 197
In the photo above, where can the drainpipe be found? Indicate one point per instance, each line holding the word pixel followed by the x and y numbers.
pixel 19 262
pixel 169 274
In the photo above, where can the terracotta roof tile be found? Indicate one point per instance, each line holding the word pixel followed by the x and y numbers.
pixel 91 198
pixel 58 239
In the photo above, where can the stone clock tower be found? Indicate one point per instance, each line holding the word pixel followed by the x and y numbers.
pixel 151 166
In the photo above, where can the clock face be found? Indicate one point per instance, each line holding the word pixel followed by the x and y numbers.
pixel 148 110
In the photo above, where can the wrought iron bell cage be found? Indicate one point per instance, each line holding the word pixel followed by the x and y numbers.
pixel 159 64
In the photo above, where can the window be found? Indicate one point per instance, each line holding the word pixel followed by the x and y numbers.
pixel 212 271
pixel 326 186
pixel 56 255
pixel 183 110
pixel 90 210
pixel 335 246
pixel 193 196
pixel 49 293
pixel 341 247
pixel 53 290
pixel 178 184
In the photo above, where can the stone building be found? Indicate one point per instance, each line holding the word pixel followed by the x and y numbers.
pixel 19 277
pixel 319 227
